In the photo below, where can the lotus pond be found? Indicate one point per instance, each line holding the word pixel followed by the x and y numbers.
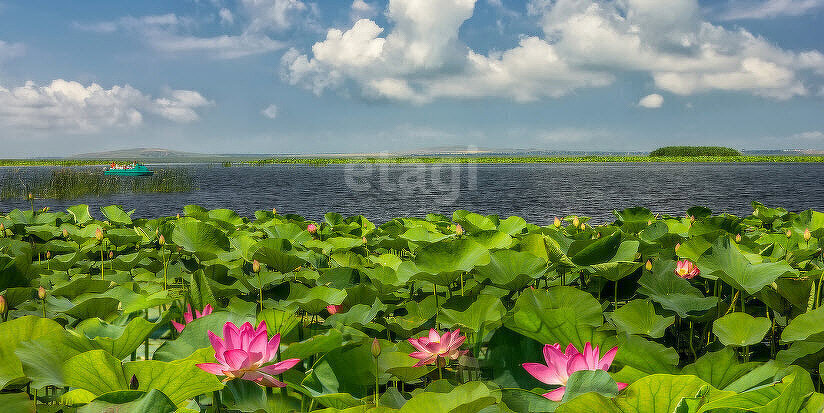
pixel 211 311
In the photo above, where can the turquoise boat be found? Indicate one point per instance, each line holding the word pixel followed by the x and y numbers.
pixel 133 169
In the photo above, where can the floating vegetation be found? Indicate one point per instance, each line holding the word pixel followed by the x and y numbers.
pixel 315 161
pixel 695 151
pixel 73 183
pixel 202 312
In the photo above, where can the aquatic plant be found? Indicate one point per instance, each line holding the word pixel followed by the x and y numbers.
pixel 188 316
pixel 560 365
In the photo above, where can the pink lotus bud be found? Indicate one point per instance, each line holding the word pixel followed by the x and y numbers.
pixel 161 240
pixel 376 348
pixel 459 230
pixel 111 254
pixel 65 233
pixel 807 234
pixel 333 309
pixel 312 228
pixel 274 211
pixel 648 266
pixel 31 196
pixel 255 266
pixel 3 305
pixel 41 293
pixel 677 246
pixel 363 239
pixel 789 233
pixel 649 222
pixel 575 222
pixel 98 233
pixel 177 216
pixel 557 223
pixel 737 237
pixel 48 255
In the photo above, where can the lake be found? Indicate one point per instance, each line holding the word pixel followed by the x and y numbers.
pixel 536 192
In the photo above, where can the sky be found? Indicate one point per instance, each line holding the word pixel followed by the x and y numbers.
pixel 370 76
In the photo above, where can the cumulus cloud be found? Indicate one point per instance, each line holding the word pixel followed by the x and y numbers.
pixel 71 107
pixel 362 10
pixel 270 111
pixel 653 101
pixel 173 34
pixel 585 43
pixel 740 10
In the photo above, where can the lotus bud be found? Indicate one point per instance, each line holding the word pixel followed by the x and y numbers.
pixel 807 234
pixel 2 305
pixel 65 233
pixel 557 223
pixel 789 233
pixel 575 222
pixel 649 265
pixel 459 230
pixel 2 230
pixel 255 266
pixel 31 196
pixel 312 228
pixel 692 218
pixel 41 293
pixel 274 211
pixel 363 239
pixel 774 286
pixel 376 348
pixel 161 240
pixel 649 222
pixel 48 255
pixel 677 246
pixel 98 233
pixel 737 237
pixel 46 209
pixel 133 383
pixel 111 254
pixel 178 216
pixel 583 226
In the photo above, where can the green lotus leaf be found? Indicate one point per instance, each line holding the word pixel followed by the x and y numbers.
pixel 633 220
pixel 319 343
pixel 589 252
pixel 14 332
pixel 639 317
pixel 116 215
pixel 17 402
pixel 278 254
pixel 43 357
pixel 804 326
pixel 590 381
pixel 511 269
pixel 470 397
pixel 199 237
pixel 179 380
pixel 472 222
pixel 80 213
pixel 196 335
pixel 615 270
pixel 118 340
pixel 44 232
pixel 123 236
pixel 94 307
pixel 315 299
pixel 672 292
pixel 343 370
pixel 131 401
pixel 96 371
pixel 720 368
pixel 422 235
pixel 482 316
pixel 787 396
pixel 740 329
pixel 739 272
pixel 525 401
pixel 451 256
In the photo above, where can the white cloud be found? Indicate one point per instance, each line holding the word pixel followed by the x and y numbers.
pixel 70 107
pixel 585 43
pixel 362 10
pixel 226 16
pixel 174 34
pixel 270 111
pixel 653 101
pixel 740 10
pixel 809 135
pixel 10 50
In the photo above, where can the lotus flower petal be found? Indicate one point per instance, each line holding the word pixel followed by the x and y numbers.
pixel 277 368
pixel 214 368
pixel 556 395
pixel 545 374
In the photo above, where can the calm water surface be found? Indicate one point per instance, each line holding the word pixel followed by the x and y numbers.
pixel 533 191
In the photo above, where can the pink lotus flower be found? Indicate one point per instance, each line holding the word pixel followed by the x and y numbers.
pixel 686 270
pixel 312 228
pixel 242 353
pixel 188 317
pixel 433 346
pixel 333 309
pixel 559 366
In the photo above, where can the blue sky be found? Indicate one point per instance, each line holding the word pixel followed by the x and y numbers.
pixel 322 76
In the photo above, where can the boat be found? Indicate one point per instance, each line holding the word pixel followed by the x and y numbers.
pixel 132 169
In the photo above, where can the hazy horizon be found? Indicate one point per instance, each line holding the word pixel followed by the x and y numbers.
pixel 371 76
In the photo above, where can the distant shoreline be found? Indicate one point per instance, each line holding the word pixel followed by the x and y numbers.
pixel 319 161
